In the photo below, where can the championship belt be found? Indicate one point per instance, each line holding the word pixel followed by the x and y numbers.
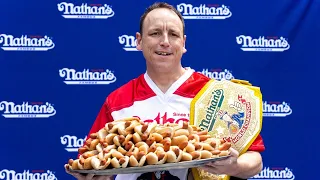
pixel 231 110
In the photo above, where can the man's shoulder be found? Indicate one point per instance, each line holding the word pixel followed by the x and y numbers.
pixel 128 86
pixel 134 90
pixel 192 85
pixel 199 76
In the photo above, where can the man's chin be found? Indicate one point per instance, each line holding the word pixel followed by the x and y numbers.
pixel 163 67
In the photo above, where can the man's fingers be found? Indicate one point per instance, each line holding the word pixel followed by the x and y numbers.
pixel 77 175
pixel 224 162
pixel 103 178
pixel 234 152
pixel 89 176
pixel 220 162
pixel 80 176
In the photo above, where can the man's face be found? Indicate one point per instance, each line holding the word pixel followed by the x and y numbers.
pixel 162 41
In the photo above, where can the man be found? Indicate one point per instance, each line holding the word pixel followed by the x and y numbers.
pixel 164 92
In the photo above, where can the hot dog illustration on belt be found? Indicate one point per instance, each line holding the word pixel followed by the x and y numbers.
pixel 234 121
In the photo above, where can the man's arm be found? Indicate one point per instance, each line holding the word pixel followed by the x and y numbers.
pixel 249 164
pixel 103 117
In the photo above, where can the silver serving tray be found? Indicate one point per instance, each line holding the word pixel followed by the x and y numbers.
pixel 151 168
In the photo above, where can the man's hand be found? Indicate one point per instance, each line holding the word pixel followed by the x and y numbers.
pixel 244 166
pixel 227 166
pixel 88 176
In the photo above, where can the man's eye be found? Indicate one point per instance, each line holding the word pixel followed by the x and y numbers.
pixel 155 33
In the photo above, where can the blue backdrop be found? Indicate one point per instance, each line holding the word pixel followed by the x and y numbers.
pixel 60 59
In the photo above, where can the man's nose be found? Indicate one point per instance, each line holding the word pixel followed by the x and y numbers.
pixel 165 40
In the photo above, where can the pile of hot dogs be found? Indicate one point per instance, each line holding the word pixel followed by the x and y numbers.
pixel 133 143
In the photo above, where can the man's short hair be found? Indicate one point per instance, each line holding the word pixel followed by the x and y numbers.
pixel 160 5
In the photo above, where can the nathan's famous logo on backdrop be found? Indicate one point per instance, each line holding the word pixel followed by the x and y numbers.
pixel 72 143
pixel 26 43
pixel 203 11
pixel 274 173
pixel 276 109
pixel 85 11
pixel 87 76
pixel 27 109
pixel 129 42
pixel 274 44
pixel 217 74
pixel 7 174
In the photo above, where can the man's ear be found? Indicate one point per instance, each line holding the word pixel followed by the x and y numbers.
pixel 184 44
pixel 138 40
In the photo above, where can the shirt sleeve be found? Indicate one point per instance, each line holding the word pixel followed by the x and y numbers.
pixel 257 145
pixel 103 117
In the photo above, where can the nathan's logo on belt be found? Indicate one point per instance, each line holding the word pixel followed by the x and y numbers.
pixel 210 11
pixel 27 110
pixel 276 109
pixel 212 110
pixel 72 142
pixel 262 43
pixel 93 76
pixel 217 74
pixel 85 11
pixel 129 42
pixel 274 173
pixel 27 175
pixel 26 43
